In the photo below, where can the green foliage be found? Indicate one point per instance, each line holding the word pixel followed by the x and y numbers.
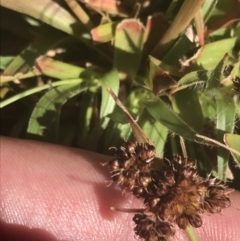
pixel 172 80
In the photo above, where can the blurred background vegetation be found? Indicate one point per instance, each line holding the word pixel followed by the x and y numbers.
pixel 174 65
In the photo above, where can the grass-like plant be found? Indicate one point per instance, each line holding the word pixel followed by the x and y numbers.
pixel 173 64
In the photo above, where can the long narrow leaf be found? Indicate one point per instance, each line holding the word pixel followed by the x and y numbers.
pixel 162 113
pixel 44 121
pixel 36 90
pixel 233 141
pixel 48 11
pixel 225 124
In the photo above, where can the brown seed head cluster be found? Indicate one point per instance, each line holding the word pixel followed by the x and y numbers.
pixel 173 192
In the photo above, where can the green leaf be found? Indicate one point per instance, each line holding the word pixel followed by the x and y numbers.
pixel 217 74
pixel 104 33
pixel 115 134
pixel 128 46
pixel 195 77
pixel 85 115
pixel 48 11
pixel 233 141
pixel 5 61
pixel 44 121
pixel 181 20
pixel 110 79
pixel 159 79
pixel 186 104
pixel 224 14
pixel 225 124
pixel 207 9
pixel 212 52
pixel 60 70
pixel 162 113
pixel 36 90
pixel 208 106
pixel 50 67
pixel 155 131
pixel 21 66
pixel 179 47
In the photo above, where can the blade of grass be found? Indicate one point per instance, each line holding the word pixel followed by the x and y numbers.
pixel 85 115
pixel 225 123
pixel 233 141
pixel 223 14
pixel 60 70
pixel 44 121
pixel 50 12
pixel 80 13
pixel 217 74
pixel 154 130
pixel 23 62
pixel 185 15
pixel 109 6
pixel 110 79
pixel 36 90
pixel 5 61
pixel 199 26
pixel 212 52
pixel 49 67
pixel 186 104
pixel 128 46
pixel 178 48
pixel 162 113
pixel 104 33
pixel 47 11
pixel 207 9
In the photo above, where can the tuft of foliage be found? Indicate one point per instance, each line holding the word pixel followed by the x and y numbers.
pixel 173 64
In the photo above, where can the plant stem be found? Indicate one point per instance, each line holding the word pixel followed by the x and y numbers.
pixel 191 233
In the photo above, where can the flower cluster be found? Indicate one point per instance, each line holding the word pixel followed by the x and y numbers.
pixel 172 191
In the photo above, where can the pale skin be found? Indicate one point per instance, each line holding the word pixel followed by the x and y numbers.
pixel 51 192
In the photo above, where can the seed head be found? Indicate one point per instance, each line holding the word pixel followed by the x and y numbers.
pixel 131 166
pixel 150 228
pixel 173 193
pixel 179 195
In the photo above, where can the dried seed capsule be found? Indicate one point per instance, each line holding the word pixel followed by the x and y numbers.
pixel 195 220
pixel 212 206
pixel 130 146
pixel 188 172
pixel 152 203
pixel 169 178
pixel 138 192
pixel 152 229
pixel 145 152
pixel 127 164
pixel 114 165
pixel 144 179
pixel 165 229
pixel 177 210
pixel 224 202
pixel 118 177
pixel 216 192
pixel 182 221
